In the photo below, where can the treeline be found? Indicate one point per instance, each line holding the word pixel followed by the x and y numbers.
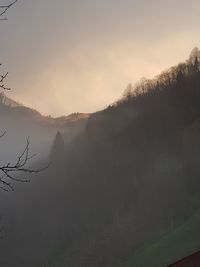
pixel 166 79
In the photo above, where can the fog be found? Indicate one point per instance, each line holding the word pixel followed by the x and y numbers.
pixel 118 182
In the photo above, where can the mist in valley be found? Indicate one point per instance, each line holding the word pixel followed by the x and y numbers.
pixel 116 185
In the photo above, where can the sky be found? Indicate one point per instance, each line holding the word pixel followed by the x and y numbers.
pixel 66 56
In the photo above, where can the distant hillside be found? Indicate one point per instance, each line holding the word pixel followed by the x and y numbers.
pixel 6 101
pixel 21 122
pixel 12 108
pixel 70 119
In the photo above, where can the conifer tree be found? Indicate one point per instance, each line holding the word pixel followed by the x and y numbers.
pixel 58 147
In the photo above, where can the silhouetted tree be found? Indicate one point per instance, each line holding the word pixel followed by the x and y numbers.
pixel 196 65
pixel 180 76
pixel 58 147
pixel 194 60
pixel 128 91
pixel 195 53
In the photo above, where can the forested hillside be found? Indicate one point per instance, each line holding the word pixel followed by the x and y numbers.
pixel 20 122
pixel 125 182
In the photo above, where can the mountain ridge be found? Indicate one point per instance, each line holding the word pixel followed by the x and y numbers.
pixel 12 106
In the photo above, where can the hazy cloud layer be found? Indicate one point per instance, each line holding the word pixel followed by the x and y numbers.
pixel 65 56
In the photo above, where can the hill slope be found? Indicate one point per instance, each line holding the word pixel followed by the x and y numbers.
pixel 181 242
pixel 124 182
pixel 21 122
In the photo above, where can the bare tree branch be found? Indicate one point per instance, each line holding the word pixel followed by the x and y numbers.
pixel 4 9
pixel 2 134
pixel 10 171
pixel 2 79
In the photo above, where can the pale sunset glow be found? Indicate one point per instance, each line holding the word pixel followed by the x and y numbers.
pixel 78 56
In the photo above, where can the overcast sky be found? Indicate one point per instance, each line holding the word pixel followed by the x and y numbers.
pixel 66 56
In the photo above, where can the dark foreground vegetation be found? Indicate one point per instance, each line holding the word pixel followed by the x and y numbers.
pixel 128 180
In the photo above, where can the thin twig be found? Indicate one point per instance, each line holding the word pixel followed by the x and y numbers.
pixel 5 9
pixel 20 166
